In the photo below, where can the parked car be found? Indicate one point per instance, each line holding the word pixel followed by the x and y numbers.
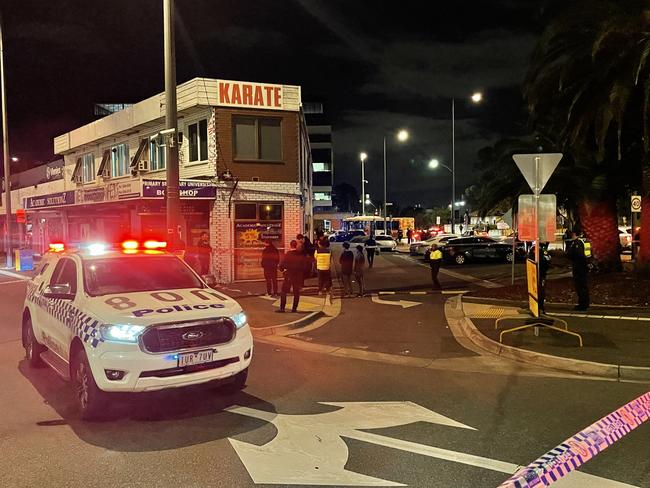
pixel 345 236
pixel 359 240
pixel 385 243
pixel 421 248
pixel 478 248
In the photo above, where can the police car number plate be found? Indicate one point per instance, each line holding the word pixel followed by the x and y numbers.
pixel 192 358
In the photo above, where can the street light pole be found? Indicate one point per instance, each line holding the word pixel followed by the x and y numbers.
pixel 5 154
pixel 385 206
pixel 171 121
pixel 363 157
pixel 453 165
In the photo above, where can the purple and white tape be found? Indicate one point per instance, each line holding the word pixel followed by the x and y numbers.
pixel 583 446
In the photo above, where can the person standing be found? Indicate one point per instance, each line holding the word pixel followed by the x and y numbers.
pixel 435 261
pixel 347 263
pixel 203 252
pixel 371 248
pixel 400 236
pixel 359 264
pixel 409 234
pixel 323 267
pixel 293 267
pixel 270 262
pixel 578 256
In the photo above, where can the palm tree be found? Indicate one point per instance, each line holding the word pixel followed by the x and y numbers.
pixel 589 86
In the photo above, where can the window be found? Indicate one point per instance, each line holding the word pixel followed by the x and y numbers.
pixel 65 273
pixel 257 139
pixel 119 160
pixel 261 212
pixel 270 212
pixel 322 167
pixel 157 155
pixel 88 167
pixel 246 211
pixel 198 141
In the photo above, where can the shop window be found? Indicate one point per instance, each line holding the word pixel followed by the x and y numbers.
pixel 157 155
pixel 246 211
pixel 88 167
pixel 197 135
pixel 270 212
pixel 322 167
pixel 257 138
pixel 119 160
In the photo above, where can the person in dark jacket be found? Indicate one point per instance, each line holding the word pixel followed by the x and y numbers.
pixel 203 252
pixel 359 264
pixel 371 248
pixel 293 267
pixel 347 261
pixel 580 269
pixel 270 261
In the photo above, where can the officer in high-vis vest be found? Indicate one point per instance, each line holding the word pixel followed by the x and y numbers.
pixel 323 257
pixel 435 261
pixel 579 252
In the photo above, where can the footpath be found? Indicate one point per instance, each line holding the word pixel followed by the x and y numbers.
pixel 616 341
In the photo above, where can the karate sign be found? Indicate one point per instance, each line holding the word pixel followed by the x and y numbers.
pixel 251 95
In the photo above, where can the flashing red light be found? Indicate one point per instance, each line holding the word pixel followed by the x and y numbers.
pixel 130 244
pixel 151 244
pixel 57 247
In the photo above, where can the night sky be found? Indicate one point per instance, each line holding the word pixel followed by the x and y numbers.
pixel 376 65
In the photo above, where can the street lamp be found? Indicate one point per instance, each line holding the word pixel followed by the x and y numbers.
pixel 363 156
pixel 476 97
pixel 402 136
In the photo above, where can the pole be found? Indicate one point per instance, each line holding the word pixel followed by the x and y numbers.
pixel 385 206
pixel 363 187
pixel 514 243
pixel 5 154
pixel 171 122
pixel 453 165
pixel 537 244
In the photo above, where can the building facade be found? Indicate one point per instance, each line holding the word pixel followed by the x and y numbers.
pixel 245 168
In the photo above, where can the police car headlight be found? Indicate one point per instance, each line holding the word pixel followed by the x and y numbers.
pixel 240 320
pixel 122 333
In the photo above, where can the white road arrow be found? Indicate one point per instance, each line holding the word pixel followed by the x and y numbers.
pixel 309 449
pixel 399 303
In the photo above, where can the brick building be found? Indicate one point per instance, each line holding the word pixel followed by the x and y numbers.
pixel 245 168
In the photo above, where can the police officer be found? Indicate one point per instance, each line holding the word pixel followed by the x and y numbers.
pixel 435 261
pixel 371 248
pixel 293 267
pixel 578 253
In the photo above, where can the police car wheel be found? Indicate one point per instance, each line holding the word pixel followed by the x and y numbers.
pixel 460 259
pixel 33 349
pixel 90 399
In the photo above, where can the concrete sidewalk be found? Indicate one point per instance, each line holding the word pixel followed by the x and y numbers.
pixel 613 347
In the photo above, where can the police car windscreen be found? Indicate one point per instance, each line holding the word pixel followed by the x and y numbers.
pixel 134 274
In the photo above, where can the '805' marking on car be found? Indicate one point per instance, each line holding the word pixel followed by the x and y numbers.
pixel 124 303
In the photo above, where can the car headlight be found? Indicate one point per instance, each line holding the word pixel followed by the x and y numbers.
pixel 240 320
pixel 122 332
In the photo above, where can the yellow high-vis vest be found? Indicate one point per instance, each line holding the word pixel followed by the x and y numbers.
pixel 323 261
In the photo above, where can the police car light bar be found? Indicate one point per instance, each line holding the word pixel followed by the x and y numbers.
pixel 57 247
pixel 130 245
pixel 151 244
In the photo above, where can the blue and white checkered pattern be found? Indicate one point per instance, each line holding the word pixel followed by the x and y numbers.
pixel 82 324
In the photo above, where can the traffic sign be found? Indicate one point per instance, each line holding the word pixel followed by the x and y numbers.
pixel 547 217
pixel 533 295
pixel 636 203
pixel 537 168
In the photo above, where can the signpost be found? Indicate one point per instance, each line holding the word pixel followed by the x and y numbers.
pixel 636 204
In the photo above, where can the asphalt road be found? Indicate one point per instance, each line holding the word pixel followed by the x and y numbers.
pixel 288 436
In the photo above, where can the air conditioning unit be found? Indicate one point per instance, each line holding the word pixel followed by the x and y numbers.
pixel 143 166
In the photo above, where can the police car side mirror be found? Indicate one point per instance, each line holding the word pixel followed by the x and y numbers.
pixel 61 292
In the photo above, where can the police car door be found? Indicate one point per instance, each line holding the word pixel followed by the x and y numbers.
pixel 60 311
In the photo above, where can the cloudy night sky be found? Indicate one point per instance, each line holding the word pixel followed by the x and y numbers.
pixel 376 65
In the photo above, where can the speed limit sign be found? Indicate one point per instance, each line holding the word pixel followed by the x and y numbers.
pixel 636 203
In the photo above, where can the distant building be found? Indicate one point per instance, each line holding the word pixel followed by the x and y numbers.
pixel 322 153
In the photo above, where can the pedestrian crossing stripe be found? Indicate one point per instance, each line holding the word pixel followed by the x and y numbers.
pixel 83 325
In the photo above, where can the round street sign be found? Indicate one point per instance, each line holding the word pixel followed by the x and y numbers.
pixel 636 203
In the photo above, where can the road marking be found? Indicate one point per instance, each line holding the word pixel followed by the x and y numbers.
pixel 454 292
pixel 590 316
pixel 310 450
pixel 10 282
pixel 15 275
pixel 386 292
pixel 399 303
pixel 417 293
pixel 470 278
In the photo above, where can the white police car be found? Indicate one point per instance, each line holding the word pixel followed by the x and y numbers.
pixel 130 320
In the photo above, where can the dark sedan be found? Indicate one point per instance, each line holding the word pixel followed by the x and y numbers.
pixel 478 248
pixel 346 236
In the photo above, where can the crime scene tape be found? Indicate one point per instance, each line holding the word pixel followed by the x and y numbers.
pixel 581 447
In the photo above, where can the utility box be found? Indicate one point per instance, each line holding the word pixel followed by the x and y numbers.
pixel 24 259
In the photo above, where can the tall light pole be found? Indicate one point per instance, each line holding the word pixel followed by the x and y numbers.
pixel 172 197
pixel 476 97
pixel 363 156
pixel 5 154
pixel 402 136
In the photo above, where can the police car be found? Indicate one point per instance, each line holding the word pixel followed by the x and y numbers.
pixel 131 319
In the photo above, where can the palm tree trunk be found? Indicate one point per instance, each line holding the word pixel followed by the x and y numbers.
pixel 599 223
